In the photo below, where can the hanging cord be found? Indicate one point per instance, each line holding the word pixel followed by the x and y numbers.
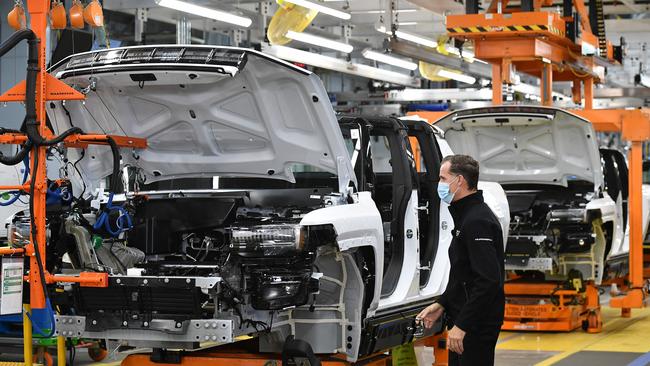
pixel 123 222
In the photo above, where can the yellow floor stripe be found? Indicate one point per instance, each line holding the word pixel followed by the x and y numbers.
pixel 619 335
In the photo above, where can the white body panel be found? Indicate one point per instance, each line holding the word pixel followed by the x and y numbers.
pixel 408 286
pixel 526 145
pixel 201 121
pixel 357 225
pixel 624 246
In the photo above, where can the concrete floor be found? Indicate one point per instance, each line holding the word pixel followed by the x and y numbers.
pixel 624 342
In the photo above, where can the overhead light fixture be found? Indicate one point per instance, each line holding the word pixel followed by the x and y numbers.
pixel 322 9
pixel 407 23
pixel 382 11
pixel 339 65
pixel 387 59
pixel 471 57
pixel 456 76
pixel 202 11
pixel 320 41
pixel 427 42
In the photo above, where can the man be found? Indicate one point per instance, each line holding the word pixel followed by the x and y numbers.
pixel 473 300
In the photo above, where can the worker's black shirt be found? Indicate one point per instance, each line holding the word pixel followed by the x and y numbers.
pixel 474 295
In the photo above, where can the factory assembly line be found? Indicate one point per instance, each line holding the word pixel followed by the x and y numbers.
pixel 209 218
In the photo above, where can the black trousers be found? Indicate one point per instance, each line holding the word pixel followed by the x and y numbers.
pixel 478 347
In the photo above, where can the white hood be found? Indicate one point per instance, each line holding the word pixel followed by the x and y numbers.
pixel 518 144
pixel 204 111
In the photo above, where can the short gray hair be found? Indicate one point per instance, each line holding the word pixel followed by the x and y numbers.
pixel 466 166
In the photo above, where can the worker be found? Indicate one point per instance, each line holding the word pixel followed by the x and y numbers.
pixel 474 300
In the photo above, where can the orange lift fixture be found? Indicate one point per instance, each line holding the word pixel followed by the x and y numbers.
pixel 49 88
pixel 552 48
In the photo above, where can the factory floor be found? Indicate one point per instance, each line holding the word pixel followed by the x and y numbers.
pixel 624 341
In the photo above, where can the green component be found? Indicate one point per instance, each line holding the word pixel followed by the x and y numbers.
pixel 46 342
pixel 5 196
pixel 97 241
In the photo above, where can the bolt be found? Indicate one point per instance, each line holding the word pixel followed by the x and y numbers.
pixel 214 325
pixel 125 323
pixel 207 338
pixel 214 338
pixel 166 280
pixel 178 325
pixel 145 281
pixel 188 280
pixel 207 325
pixel 146 324
pixel 118 281
pixel 94 322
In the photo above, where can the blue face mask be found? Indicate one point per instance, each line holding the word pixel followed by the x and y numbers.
pixel 445 193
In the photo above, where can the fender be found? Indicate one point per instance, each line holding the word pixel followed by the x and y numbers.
pixel 357 225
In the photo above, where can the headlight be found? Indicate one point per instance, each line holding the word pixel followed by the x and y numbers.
pixel 272 239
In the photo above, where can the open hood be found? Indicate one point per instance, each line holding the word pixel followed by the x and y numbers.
pixel 516 144
pixel 204 111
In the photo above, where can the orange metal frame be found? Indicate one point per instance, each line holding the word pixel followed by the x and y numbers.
pixel 49 88
pixel 537 47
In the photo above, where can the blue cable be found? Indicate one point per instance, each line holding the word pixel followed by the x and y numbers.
pixel 17 194
pixel 48 306
pixel 122 226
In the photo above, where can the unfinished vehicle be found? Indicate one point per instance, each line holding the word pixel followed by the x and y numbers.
pixel 243 216
pixel 566 216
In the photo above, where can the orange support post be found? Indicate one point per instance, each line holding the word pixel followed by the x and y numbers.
pixel 497 84
pixel 546 85
pixel 576 91
pixel 589 93
pixel 38 11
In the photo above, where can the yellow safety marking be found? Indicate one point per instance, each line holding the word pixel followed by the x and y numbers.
pixel 619 335
pixel 508 28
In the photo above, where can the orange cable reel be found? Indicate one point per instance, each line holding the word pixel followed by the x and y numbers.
pixel 58 18
pixel 16 17
pixel 93 14
pixel 77 15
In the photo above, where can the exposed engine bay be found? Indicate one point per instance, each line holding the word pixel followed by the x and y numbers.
pixel 550 224
pixel 194 255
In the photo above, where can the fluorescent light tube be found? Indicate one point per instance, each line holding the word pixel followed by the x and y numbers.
pixel 424 41
pixel 456 76
pixel 335 64
pixel 322 9
pixel 416 39
pixel 383 11
pixel 202 11
pixel 387 59
pixel 320 41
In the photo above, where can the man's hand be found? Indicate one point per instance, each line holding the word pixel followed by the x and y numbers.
pixel 430 314
pixel 455 340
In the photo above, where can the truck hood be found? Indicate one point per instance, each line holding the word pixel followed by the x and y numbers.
pixel 205 111
pixel 517 144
